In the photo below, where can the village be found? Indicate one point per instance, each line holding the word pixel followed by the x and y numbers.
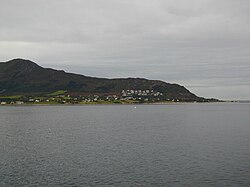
pixel 61 97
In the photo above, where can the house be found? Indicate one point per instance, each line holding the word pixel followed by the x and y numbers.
pixel 19 102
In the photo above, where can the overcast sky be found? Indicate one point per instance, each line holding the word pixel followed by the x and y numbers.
pixel 201 44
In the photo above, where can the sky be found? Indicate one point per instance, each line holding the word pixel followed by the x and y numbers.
pixel 203 45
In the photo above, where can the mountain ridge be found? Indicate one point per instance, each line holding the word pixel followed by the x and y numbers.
pixel 19 76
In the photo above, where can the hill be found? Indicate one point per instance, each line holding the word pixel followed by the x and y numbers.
pixel 25 77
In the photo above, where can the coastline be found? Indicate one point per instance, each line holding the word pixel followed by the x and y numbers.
pixel 112 104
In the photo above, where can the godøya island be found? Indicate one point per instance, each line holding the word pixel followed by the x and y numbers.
pixel 25 82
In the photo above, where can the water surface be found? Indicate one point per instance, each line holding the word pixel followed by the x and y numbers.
pixel 120 145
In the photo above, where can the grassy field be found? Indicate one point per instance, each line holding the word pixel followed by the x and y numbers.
pixel 11 97
pixel 59 92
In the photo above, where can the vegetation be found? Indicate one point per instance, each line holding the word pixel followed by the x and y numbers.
pixel 90 99
pixel 24 82
pixel 11 97
pixel 25 77
pixel 59 92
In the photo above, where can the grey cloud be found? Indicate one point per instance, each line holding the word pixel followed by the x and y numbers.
pixel 202 44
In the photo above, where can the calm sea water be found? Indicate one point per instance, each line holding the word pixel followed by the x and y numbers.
pixel 120 145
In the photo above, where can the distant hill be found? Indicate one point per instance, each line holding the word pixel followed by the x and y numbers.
pixel 21 76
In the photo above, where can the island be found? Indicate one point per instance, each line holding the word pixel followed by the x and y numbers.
pixel 25 82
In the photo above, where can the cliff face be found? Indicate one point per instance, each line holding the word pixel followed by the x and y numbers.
pixel 20 76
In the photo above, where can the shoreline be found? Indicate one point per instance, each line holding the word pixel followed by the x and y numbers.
pixel 113 104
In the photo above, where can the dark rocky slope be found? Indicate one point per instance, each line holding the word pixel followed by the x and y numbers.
pixel 20 76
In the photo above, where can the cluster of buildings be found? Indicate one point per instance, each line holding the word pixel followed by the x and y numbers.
pixel 59 99
pixel 124 95
pixel 141 95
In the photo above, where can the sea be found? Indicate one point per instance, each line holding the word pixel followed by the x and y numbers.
pixel 189 145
